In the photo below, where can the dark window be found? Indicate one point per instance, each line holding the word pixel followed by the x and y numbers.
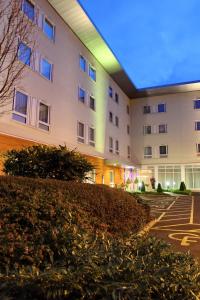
pixel 146 109
pixel 81 132
pixel 147 129
pixel 128 129
pixel 92 103
pixel 116 98
pixel 44 117
pixel 110 116
pixel 197 125
pixel 117 147
pixel 163 151
pixel 116 121
pixel 92 136
pixel 81 95
pixel 20 107
pixel 147 152
pixel 128 109
pixel 110 144
pixel 162 128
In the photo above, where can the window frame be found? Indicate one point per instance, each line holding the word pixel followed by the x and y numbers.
pixel 85 95
pixel 45 18
pixel 49 117
pixel 28 48
pixel 146 112
pixel 117 121
pixel 196 125
pixel 82 56
pixel 163 155
pixel 51 71
pixel 91 142
pixel 165 128
pixel 116 98
pixel 110 91
pixel 148 155
pixel 34 9
pixel 91 67
pixel 198 149
pixel 129 152
pixel 110 144
pixel 117 147
pixel 92 97
pixel 81 139
pixel 26 117
pixel 111 117
pixel 145 131
pixel 165 108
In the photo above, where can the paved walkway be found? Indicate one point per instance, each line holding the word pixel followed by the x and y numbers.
pixel 179 224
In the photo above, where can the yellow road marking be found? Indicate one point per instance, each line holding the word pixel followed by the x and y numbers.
pixel 186 240
pixel 192 211
pixel 169 220
pixel 176 215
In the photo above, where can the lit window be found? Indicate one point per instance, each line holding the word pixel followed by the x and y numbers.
pixel 147 129
pixel 24 54
pixel 46 69
pixel 117 147
pixel 146 109
pixel 163 151
pixel 161 108
pixel 81 95
pixel 110 144
pixel 48 29
pixel 92 73
pixel 162 128
pixel 197 125
pixel 81 132
pixel 128 129
pixel 110 91
pixel 91 136
pixel 44 116
pixel 110 116
pixel 148 152
pixel 112 178
pixel 116 121
pixel 127 109
pixel 116 98
pixel 82 63
pixel 128 152
pixel 20 105
pixel 29 9
pixel 197 104
pixel 92 102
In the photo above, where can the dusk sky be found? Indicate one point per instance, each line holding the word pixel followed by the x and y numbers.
pixel 156 41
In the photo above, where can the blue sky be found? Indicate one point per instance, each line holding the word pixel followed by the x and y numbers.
pixel 156 41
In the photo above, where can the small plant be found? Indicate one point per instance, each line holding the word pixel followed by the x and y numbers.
pixel 159 188
pixel 143 189
pixel 182 186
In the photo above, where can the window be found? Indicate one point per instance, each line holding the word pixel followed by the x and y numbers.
pixel 197 104
pixel 81 132
pixel 91 136
pixel 162 128
pixel 147 129
pixel 48 29
pixel 44 116
pixel 161 108
pixel 197 125
pixel 29 9
pixel 116 98
pixel 92 73
pixel 92 103
pixel 163 151
pixel 128 129
pixel 128 152
pixel 46 69
pixel 117 147
pixel 112 179
pixel 110 116
pixel 148 152
pixel 198 149
pixel 81 95
pixel 20 105
pixel 24 54
pixel 82 63
pixel 116 121
pixel 110 91
pixel 127 109
pixel 146 109
pixel 110 144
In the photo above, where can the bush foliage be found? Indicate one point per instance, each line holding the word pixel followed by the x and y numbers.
pixel 64 240
pixel 182 186
pixel 47 162
pixel 159 188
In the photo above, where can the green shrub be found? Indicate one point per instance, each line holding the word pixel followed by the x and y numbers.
pixel 159 188
pixel 182 186
pixel 47 162
pixel 143 189
pixel 185 192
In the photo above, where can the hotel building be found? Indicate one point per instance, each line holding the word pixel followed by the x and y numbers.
pixel 74 92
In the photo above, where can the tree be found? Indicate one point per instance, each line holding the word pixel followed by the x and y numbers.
pixel 143 189
pixel 16 27
pixel 47 162
pixel 182 186
pixel 159 188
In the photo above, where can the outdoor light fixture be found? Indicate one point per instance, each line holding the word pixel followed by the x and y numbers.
pixel 167 184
